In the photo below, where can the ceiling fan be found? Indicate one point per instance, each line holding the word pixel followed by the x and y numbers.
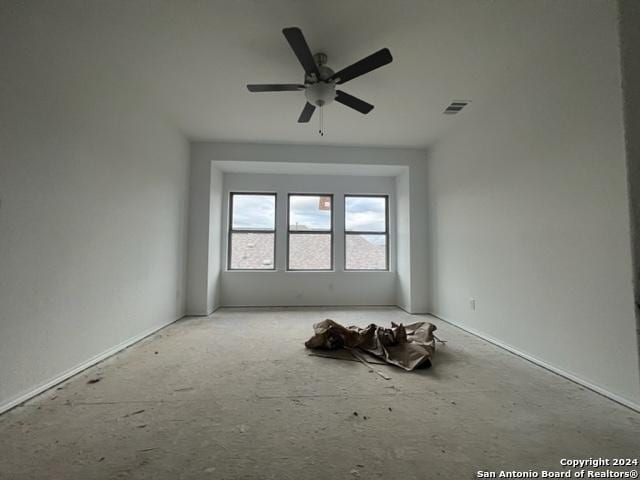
pixel 320 81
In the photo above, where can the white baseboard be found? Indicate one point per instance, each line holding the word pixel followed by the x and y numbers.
pixel 311 306
pixel 213 310
pixel 79 368
pixel 569 376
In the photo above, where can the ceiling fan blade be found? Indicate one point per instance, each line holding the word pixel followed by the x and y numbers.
pixel 299 46
pixel 353 102
pixel 307 111
pixel 278 87
pixel 366 65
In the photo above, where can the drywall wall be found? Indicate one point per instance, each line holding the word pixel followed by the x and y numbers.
pixel 205 210
pixel 249 157
pixel 200 184
pixel 529 215
pixel 93 201
pixel 629 20
pixel 403 242
pixel 215 239
pixel 314 154
pixel 281 287
pixel 418 235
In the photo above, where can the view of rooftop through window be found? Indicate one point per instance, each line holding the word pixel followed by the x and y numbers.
pixel 310 232
pixel 366 232
pixel 252 233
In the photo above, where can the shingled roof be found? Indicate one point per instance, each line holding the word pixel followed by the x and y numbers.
pixel 308 252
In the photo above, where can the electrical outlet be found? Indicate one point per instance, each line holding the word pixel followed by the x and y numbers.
pixel 472 303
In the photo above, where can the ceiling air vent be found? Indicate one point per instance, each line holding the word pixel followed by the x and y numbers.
pixel 455 106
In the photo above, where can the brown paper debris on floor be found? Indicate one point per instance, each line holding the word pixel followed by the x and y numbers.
pixel 405 346
pixel 346 356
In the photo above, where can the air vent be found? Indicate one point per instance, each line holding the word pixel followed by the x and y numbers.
pixel 455 106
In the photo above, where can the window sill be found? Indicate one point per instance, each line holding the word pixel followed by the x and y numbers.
pixel 367 271
pixel 257 270
pixel 305 271
pixel 310 271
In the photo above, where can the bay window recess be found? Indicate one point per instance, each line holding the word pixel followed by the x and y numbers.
pixel 310 232
pixel 366 232
pixel 252 231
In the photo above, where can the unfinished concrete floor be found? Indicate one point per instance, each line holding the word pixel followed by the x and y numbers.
pixel 236 396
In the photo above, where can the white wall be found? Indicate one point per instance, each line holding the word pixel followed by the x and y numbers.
pixel 215 239
pixel 412 274
pixel 629 15
pixel 200 187
pixel 93 204
pixel 205 210
pixel 529 215
pixel 271 152
pixel 418 238
pixel 280 287
pixel 403 242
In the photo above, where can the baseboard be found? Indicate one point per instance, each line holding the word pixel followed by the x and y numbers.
pixel 558 371
pixel 213 310
pixel 406 309
pixel 310 306
pixel 79 368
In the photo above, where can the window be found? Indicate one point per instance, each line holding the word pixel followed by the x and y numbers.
pixel 252 231
pixel 366 232
pixel 310 238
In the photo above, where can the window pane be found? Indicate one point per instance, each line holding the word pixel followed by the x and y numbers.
pixel 365 214
pixel 252 251
pixel 254 212
pixel 310 212
pixel 310 251
pixel 365 252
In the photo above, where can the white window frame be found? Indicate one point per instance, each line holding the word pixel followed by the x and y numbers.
pixel 254 230
pixel 364 232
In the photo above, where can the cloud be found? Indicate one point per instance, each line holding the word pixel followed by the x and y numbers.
pixel 258 212
pixel 254 212
pixel 305 213
pixel 365 214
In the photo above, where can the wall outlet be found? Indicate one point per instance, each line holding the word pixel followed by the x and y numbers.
pixel 472 303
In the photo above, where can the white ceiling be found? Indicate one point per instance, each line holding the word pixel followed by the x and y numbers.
pixel 191 60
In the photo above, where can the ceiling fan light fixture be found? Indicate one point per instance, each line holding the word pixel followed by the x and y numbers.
pixel 320 93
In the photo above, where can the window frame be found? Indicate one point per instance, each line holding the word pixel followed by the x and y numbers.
pixel 315 232
pixel 231 231
pixel 365 232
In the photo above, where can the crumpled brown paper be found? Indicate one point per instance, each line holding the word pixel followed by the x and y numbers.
pixel 406 346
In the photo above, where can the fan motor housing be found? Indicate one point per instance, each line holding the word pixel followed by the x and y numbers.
pixel 320 92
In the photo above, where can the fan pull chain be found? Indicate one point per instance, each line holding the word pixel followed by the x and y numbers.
pixel 321 120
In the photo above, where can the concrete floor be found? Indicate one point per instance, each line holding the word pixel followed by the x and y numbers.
pixel 236 395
